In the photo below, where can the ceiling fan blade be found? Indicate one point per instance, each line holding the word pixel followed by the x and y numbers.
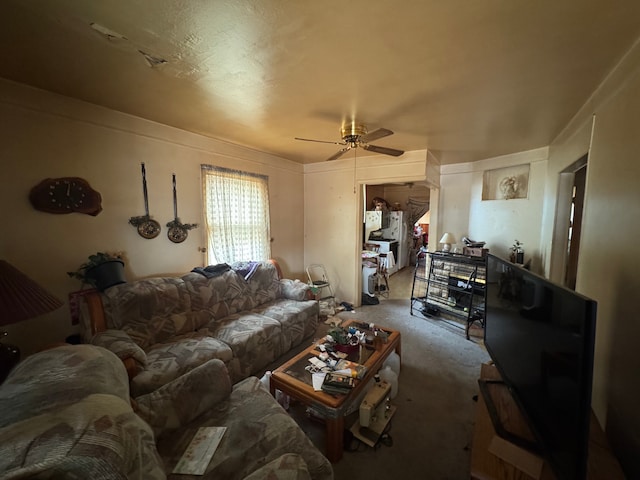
pixel 376 134
pixel 387 151
pixel 338 154
pixel 319 141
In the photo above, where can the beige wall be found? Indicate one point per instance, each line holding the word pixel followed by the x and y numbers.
pixel 44 135
pixel 455 202
pixel 608 272
pixel 333 207
pixel 497 222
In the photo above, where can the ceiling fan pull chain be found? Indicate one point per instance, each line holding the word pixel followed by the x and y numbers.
pixel 355 166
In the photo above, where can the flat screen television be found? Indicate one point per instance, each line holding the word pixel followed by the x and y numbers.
pixel 541 336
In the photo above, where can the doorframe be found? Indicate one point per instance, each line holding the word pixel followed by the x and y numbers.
pixel 560 244
pixel 361 187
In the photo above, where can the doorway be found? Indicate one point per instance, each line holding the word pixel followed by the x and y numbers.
pixel 575 226
pixel 568 223
pixel 396 195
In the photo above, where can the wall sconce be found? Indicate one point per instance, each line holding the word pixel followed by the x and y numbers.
pixel 446 240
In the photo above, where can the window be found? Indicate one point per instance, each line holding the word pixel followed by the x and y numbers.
pixel 236 211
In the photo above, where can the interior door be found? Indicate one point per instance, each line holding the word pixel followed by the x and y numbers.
pixel 575 227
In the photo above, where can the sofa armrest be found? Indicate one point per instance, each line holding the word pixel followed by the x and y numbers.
pixel 295 290
pixel 180 401
pixel 124 347
pixel 95 312
pixel 277 265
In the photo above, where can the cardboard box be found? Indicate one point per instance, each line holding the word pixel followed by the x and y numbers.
pixel 475 251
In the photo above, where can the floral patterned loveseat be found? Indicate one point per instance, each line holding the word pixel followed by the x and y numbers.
pixel 67 413
pixel 243 314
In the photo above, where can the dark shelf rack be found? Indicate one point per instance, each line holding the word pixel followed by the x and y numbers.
pixel 450 284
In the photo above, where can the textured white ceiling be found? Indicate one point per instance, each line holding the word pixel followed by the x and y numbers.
pixel 466 79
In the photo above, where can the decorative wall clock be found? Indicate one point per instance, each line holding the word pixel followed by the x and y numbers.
pixel 66 195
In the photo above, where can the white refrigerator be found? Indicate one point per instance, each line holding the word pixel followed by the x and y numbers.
pixel 398 230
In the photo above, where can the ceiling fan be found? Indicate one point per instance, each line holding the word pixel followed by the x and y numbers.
pixel 356 135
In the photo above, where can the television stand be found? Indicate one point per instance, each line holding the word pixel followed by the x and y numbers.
pixel 498 458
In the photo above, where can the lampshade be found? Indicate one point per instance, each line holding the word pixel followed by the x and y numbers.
pixel 21 298
pixel 446 240
pixel 425 219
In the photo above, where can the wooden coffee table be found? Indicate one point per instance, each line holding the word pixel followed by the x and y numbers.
pixel 292 379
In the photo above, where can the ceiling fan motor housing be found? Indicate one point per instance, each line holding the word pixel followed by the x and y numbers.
pixel 351 133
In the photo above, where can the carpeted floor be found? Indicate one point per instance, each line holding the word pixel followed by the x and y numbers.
pixel 430 433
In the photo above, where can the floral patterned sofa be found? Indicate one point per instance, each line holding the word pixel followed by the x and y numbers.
pixel 67 414
pixel 244 315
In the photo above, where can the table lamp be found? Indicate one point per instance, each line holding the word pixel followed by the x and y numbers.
pixel 424 219
pixel 446 241
pixel 20 299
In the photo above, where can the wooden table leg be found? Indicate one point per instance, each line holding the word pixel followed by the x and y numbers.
pixel 335 432
pixel 272 389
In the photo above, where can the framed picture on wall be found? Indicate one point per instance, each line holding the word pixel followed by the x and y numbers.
pixel 506 183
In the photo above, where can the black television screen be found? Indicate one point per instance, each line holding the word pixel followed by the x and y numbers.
pixel 540 336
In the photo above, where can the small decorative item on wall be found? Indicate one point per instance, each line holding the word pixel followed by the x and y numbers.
pixel 178 231
pixel 506 183
pixel 66 195
pixel 147 227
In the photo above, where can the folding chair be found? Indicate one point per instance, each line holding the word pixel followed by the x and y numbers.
pixel 318 278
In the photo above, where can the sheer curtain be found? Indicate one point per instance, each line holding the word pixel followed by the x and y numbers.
pixel 236 211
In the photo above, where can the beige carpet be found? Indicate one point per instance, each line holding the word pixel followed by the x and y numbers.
pixel 430 434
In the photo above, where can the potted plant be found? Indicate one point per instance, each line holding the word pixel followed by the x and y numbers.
pixel 101 270
pixel 517 252
pixel 345 341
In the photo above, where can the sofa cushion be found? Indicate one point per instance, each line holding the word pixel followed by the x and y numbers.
pixel 254 339
pixel 151 310
pixel 263 286
pixel 289 466
pixel 221 296
pixel 298 319
pixel 59 376
pixel 258 432
pixel 166 361
pixel 118 342
pixel 183 399
pixel 230 293
pixel 66 414
pixel 97 437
